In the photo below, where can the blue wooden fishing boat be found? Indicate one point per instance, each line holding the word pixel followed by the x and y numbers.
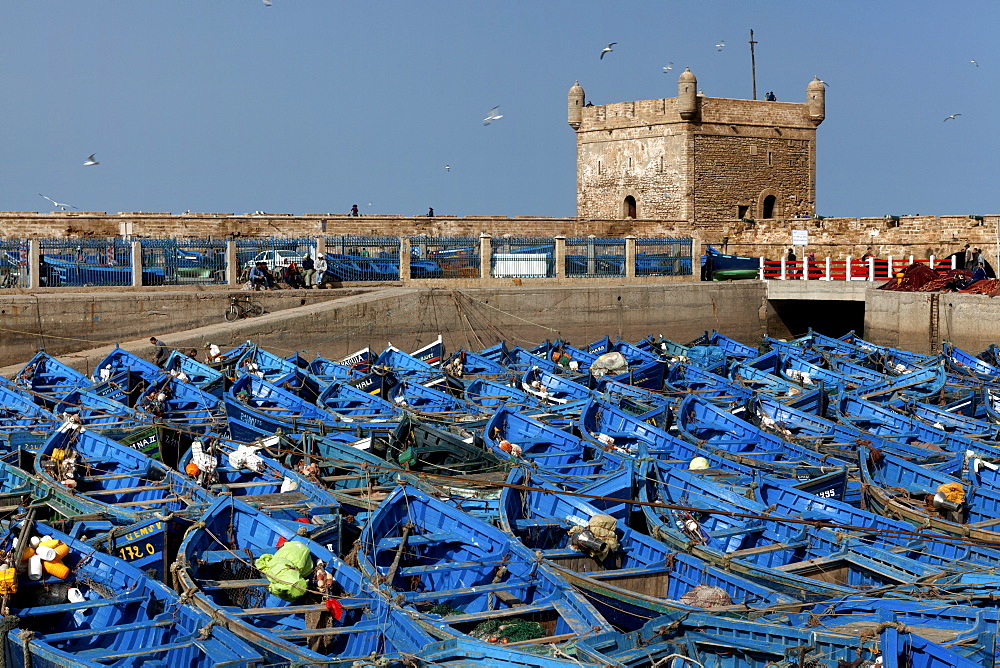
pixel 354 404
pixel 733 348
pixel 894 485
pixel 514 435
pixel 18 412
pixel 61 272
pixel 940 550
pixel 120 360
pixel 202 376
pixel 466 653
pixel 317 611
pixel 662 347
pixel 491 394
pixel 416 445
pixel 226 361
pixel 99 412
pixel 705 423
pixel 564 355
pixel 963 363
pixel 107 612
pixel 431 401
pixel 702 639
pixel 404 365
pixel 471 365
pixel 48 379
pixel 551 388
pixel 110 479
pixel 261 481
pixel 726 528
pixel 628 576
pixel 956 417
pixel 459 576
pixel 431 353
pixel 921 383
pixel 256 407
pixel 182 405
pixel 684 378
pixel 634 353
pixel 266 365
pixel 330 371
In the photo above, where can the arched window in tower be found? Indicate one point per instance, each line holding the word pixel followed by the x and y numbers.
pixel 630 207
pixel 768 211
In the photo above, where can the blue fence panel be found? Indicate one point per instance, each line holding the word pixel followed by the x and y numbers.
pixel 13 263
pixel 444 257
pixel 275 252
pixel 522 257
pixel 91 261
pixel 351 258
pixel 187 261
pixel 592 257
pixel 663 257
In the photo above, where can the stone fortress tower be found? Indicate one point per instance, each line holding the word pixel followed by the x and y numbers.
pixel 695 158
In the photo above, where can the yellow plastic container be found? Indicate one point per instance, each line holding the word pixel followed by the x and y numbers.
pixel 8 581
pixel 56 569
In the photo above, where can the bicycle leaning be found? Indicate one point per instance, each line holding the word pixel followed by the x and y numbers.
pixel 242 307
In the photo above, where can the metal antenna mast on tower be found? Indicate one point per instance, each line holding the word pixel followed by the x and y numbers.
pixel 753 66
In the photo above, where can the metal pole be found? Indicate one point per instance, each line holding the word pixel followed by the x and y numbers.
pixel 753 66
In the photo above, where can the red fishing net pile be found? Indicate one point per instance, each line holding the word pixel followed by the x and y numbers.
pixel 989 286
pixel 953 280
pixel 914 277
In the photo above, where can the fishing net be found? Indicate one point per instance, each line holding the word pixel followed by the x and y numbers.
pixel 444 610
pixel 507 631
pixel 705 596
pixel 952 280
pixel 985 287
pixel 243 597
pixel 914 277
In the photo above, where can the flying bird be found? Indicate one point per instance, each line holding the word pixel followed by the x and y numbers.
pixel 492 116
pixel 59 205
pixel 721 45
pixel 447 168
pixel 267 3
pixel 668 67
pixel 974 63
pixel 91 161
pixel 607 49
pixel 952 117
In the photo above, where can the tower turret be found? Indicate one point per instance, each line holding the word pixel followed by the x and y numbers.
pixel 687 95
pixel 816 100
pixel 575 100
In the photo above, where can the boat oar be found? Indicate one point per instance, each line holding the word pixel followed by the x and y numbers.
pixel 407 528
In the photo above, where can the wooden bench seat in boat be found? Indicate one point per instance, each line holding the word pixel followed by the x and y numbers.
pixel 422 539
pixel 61 608
pixel 117 628
pixel 218 585
pixel 281 611
pixel 539 522
pixel 217 556
pixel 430 568
pixel 101 653
pixel 493 614
pixel 125 490
pixel 474 590
pixel 764 549
pixel 368 625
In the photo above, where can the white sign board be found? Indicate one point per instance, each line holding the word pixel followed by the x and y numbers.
pixel 520 265
pixel 800 237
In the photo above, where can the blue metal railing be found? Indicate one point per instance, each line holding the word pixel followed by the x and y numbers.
pixel 351 258
pixel 592 257
pixel 13 263
pixel 444 257
pixel 186 261
pixel 90 261
pixel 663 257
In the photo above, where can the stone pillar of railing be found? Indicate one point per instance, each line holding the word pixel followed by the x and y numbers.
pixel 137 264
pixel 34 264
pixel 232 266
pixel 954 262
pixel 784 267
pixel 320 246
pixel 933 263
pixel 828 276
pixel 630 257
pixel 871 269
pixel 485 255
pixel 848 269
pixel 559 270
pixel 889 267
pixel 591 255
pixel 760 271
pixel 911 260
pixel 405 246
pixel 805 267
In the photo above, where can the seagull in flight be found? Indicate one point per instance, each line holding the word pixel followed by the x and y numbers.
pixel 721 45
pixel 267 3
pixel 952 117
pixel 447 168
pixel 492 116
pixel 607 49
pixel 59 205
pixel 974 63
pixel 668 67
pixel 91 161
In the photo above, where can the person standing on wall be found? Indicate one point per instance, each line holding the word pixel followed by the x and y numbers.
pixel 354 210
pixel 790 262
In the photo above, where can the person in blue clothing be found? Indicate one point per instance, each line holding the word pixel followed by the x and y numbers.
pixel 258 277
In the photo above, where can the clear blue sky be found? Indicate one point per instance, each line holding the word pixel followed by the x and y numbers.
pixel 310 106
